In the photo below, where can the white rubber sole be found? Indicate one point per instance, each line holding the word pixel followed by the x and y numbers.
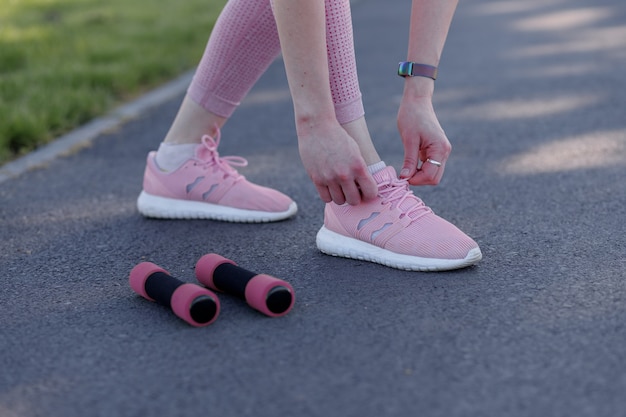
pixel 170 208
pixel 334 244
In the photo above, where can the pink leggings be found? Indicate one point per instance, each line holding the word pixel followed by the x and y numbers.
pixel 243 44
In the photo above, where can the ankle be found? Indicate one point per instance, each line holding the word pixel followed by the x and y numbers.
pixel 357 129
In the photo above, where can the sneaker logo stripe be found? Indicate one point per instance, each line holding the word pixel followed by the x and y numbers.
pixel 375 233
pixel 206 194
pixel 364 222
pixel 193 185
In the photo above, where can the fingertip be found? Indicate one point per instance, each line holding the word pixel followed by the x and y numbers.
pixel 324 194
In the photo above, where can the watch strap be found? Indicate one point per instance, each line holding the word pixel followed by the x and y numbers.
pixel 413 69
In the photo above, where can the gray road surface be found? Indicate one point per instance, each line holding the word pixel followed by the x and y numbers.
pixel 532 95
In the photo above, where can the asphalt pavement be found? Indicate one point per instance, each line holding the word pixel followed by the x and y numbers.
pixel 532 96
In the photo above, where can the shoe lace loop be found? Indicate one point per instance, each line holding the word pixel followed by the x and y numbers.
pixel 225 162
pixel 397 192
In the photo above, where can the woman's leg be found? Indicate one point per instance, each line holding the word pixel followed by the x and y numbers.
pixel 186 178
pixel 242 45
pixel 244 42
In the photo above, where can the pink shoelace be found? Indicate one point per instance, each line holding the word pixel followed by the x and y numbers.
pixel 225 163
pixel 396 191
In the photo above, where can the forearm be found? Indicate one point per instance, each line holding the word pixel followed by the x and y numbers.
pixel 302 32
pixel 430 23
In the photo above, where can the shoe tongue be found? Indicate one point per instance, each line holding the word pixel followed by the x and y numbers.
pixel 385 174
pixel 212 158
pixel 203 153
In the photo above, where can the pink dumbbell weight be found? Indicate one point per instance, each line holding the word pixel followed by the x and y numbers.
pixel 269 295
pixel 196 305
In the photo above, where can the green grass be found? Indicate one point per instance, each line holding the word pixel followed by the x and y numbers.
pixel 64 62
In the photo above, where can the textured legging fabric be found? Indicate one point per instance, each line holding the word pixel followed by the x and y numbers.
pixel 243 44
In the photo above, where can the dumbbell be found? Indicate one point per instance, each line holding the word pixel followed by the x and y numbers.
pixel 195 304
pixel 269 295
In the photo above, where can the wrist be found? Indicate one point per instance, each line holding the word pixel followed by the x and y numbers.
pixel 416 88
pixel 309 122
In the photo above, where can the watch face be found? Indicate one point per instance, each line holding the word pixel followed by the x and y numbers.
pixel 405 68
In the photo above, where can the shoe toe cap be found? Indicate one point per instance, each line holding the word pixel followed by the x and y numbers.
pixel 436 238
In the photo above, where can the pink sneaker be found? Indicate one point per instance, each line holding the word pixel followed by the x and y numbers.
pixel 208 187
pixel 397 230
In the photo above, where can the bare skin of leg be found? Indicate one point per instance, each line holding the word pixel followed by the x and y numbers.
pixel 193 121
pixel 358 130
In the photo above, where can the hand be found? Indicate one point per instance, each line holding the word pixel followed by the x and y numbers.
pixel 423 139
pixel 333 161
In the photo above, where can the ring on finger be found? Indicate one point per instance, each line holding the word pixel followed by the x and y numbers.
pixel 435 163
